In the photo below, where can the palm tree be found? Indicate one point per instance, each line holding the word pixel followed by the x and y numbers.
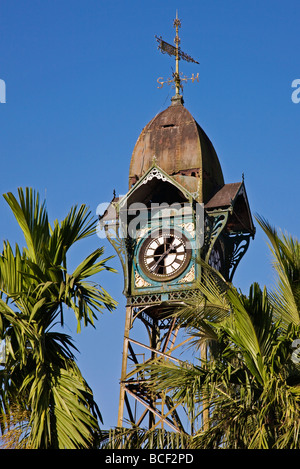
pixel 40 377
pixel 249 383
pixel 285 251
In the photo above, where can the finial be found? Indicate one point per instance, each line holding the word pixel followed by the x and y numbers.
pixel 177 79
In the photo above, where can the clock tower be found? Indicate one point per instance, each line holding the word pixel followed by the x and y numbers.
pixel 178 211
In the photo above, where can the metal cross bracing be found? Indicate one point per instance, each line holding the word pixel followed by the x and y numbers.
pixel 138 404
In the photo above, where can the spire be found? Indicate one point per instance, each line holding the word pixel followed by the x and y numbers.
pixel 177 79
pixel 178 86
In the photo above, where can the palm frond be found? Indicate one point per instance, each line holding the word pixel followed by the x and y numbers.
pixel 32 217
pixel 35 286
pixel 285 297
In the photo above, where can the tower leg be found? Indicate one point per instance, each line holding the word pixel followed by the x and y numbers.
pixel 124 365
pixel 136 399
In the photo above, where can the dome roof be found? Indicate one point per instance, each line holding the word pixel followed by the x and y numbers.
pixel 182 150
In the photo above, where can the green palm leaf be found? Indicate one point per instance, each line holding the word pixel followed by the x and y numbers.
pixel 286 262
pixel 35 288
pixel 32 219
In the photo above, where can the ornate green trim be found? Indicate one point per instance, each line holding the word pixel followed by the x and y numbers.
pixel 215 223
pixel 237 246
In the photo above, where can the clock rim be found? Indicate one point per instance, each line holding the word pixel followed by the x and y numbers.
pixel 156 234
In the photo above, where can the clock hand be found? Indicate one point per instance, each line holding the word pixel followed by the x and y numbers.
pixel 162 256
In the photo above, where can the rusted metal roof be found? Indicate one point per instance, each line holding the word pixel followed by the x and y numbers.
pixel 224 197
pixel 182 150
pixel 233 197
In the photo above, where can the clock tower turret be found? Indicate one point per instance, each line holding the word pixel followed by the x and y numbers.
pixel 177 211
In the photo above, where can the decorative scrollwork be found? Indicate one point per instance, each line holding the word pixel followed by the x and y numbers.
pixel 239 244
pixel 156 298
pixel 214 226
pixel 124 248
pixel 154 173
pixel 189 277
pixel 139 281
pixel 189 227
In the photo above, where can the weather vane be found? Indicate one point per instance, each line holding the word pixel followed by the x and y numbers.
pixel 165 47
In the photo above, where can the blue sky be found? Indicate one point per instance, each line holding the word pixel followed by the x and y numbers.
pixel 81 84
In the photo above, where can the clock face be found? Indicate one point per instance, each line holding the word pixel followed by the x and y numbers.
pixel 215 259
pixel 164 255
